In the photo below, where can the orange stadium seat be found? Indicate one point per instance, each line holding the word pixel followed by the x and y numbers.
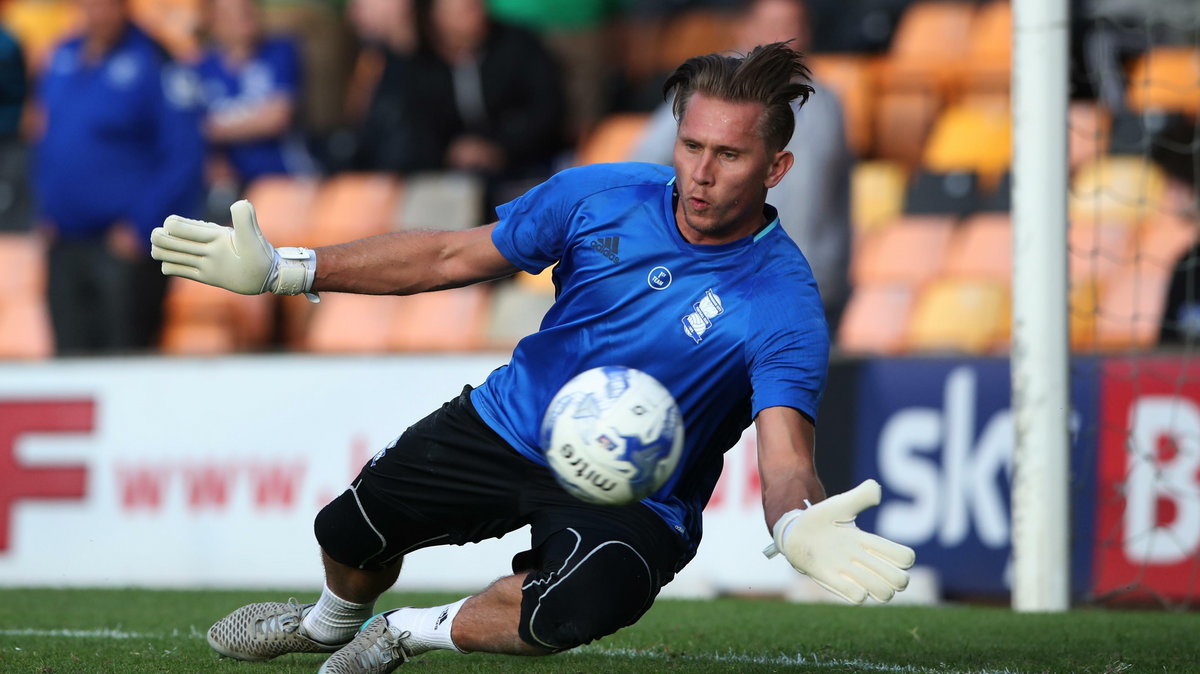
pixel 876 195
pixel 982 248
pixel 911 250
pixel 352 206
pixel 284 206
pixel 1131 304
pixel 989 56
pixel 903 120
pixel 852 78
pixel 446 320
pixel 876 319
pixel 1116 189
pixel 204 320
pixel 344 323
pixel 1166 79
pixel 961 315
pixel 930 47
pixel 612 139
pixel 693 33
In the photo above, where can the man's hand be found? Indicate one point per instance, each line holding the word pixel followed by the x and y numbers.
pixel 238 258
pixel 823 543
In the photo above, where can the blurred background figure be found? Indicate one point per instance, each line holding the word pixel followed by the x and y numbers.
pixel 477 95
pixel 814 197
pixel 14 191
pixel 251 85
pixel 120 150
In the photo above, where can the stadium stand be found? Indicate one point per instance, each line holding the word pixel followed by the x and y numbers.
pixel 352 206
pixel 911 250
pixel 852 78
pixel 38 25
pixel 982 248
pixel 876 319
pixel 612 139
pixel 929 48
pixel 1115 189
pixel 446 320
pixel 876 195
pixel 961 315
pixel 970 138
pixel 988 68
pixel 1165 79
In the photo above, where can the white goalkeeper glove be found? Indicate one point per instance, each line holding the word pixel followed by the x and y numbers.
pixel 822 542
pixel 237 258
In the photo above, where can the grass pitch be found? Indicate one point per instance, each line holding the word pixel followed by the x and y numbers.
pixel 84 631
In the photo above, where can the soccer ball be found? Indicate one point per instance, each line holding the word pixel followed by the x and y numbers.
pixel 612 435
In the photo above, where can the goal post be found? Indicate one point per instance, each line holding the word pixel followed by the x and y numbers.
pixel 1039 358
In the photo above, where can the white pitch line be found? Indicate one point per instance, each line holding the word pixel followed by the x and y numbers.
pixel 730 658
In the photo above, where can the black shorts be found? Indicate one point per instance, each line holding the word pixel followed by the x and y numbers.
pixel 451 479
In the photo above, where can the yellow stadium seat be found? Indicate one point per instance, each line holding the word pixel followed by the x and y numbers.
pixel 1116 189
pixel 284 206
pixel 911 250
pixel 961 315
pixel 852 78
pixel 982 248
pixel 876 319
pixel 1084 304
pixel 612 139
pixel 1166 79
pixel 971 139
pixel 39 25
pixel 446 320
pixel 876 195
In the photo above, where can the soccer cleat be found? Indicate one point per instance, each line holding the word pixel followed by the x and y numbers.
pixel 376 649
pixel 264 631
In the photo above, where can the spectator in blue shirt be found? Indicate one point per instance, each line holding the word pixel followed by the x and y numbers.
pixel 121 149
pixel 251 84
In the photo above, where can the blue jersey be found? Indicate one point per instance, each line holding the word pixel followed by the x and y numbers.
pixel 729 329
pixel 122 139
pixel 273 71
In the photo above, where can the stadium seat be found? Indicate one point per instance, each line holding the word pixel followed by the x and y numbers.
pixel 960 315
pixel 38 26
pixel 1115 189
pixel 989 58
pixel 693 32
pixel 204 320
pixel 930 47
pixel 875 319
pixel 1131 304
pixel 982 249
pixel 911 250
pixel 903 120
pixel 612 139
pixel 1165 79
pixel 446 320
pixel 852 78
pixel 352 206
pixel 442 200
pixel 876 195
pixel 973 139
pixel 518 306
pixel 284 206
pixel 344 323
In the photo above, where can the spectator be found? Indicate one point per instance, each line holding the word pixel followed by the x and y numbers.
pixel 121 149
pixel 814 197
pixel 13 169
pixel 478 95
pixel 251 85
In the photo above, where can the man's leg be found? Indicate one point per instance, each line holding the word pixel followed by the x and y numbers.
pixel 488 621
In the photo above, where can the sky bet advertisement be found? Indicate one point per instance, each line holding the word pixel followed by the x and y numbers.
pixel 938 435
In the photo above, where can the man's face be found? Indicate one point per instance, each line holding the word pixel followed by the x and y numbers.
pixel 723 169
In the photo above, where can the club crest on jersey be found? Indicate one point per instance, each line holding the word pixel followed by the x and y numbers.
pixel 608 246
pixel 700 320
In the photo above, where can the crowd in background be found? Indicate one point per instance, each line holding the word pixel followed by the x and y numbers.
pixel 126 127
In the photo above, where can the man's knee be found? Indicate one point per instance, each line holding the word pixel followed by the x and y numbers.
pixel 346 533
pixel 593 594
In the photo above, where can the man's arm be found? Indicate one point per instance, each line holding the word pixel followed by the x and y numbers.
pixel 786 444
pixel 404 263
pixel 239 258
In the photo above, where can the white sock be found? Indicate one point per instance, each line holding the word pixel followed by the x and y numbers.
pixel 334 620
pixel 429 628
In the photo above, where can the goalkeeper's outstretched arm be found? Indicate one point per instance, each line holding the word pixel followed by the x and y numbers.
pixel 817 535
pixel 240 259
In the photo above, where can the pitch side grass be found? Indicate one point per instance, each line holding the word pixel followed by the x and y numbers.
pixel 46 631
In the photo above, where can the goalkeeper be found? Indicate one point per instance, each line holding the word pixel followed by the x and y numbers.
pixel 683 273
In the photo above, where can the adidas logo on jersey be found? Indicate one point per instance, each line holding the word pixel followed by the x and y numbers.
pixel 608 247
